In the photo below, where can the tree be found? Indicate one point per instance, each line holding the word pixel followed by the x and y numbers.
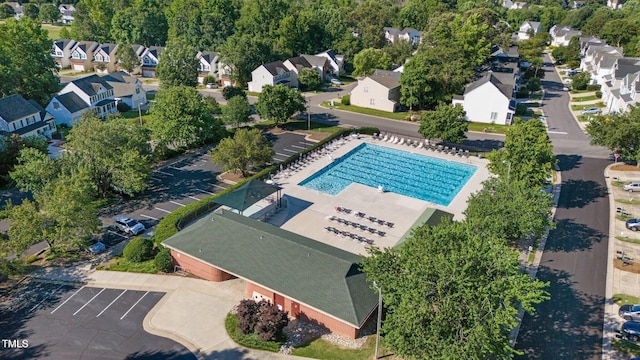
pixel 581 80
pixel 446 122
pixel 246 148
pixel 116 153
pixel 232 91
pixel 31 10
pixel 367 60
pixel 143 22
pixel 6 11
pixel 10 149
pixel 181 118
pixel 28 69
pixel 309 79
pixel 399 51
pixel 451 293
pixel 620 32
pixel 35 169
pixel 618 132
pixel 509 210
pixel 279 103
pixel 237 111
pixel 178 65
pixel 271 322
pixel 49 13
pixel 127 58
pixel 527 155
pixel 247 313
pixel 92 20
pixel 243 53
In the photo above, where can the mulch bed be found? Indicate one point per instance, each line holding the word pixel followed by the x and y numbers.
pixel 625 167
pixel 631 266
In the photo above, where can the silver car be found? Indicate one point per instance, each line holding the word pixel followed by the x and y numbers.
pixel 129 225
pixel 632 187
pixel 591 110
pixel 630 312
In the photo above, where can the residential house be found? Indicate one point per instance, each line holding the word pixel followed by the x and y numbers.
pixel 149 59
pixel 17 9
pixel 528 29
pixel 208 64
pixel 310 280
pixel 577 4
pixel 615 4
pixel 105 58
pixel 335 61
pixel 82 55
pixel 139 51
pixel 61 52
pixel 622 89
pixel 272 73
pixel 66 13
pixel 515 5
pixel 561 35
pixel 81 95
pixel 599 59
pixel 379 91
pixel 25 118
pixel 318 63
pixel 489 99
pixel 127 89
pixel 407 34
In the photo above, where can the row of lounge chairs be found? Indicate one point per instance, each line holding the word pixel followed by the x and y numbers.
pixel 422 144
pixel 356 225
pixel 362 215
pixel 352 236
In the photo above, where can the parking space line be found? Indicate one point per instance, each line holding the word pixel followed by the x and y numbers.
pixel 278 159
pixel 291 151
pixel 132 306
pixel 173 167
pixel 219 187
pixel 167 211
pixel 164 173
pixel 149 217
pixel 204 160
pixel 117 233
pixel 206 192
pixel 90 300
pixel 111 303
pixel 193 197
pixel 298 147
pixel 45 298
pixel 285 155
pixel 177 203
pixel 155 178
pixel 74 294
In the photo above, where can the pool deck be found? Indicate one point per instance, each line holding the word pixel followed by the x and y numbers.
pixel 308 217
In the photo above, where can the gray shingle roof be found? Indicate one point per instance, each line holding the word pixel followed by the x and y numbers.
pixel 308 271
pixel 274 67
pixel 300 62
pixel 91 84
pixel 72 102
pixel 390 82
pixel 108 48
pixel 505 89
pixel 208 56
pixel 315 60
pixel 627 65
pixel 14 107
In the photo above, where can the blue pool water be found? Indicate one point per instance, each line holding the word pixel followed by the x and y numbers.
pixel 418 176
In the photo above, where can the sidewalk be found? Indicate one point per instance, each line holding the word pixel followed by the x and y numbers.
pixel 191 313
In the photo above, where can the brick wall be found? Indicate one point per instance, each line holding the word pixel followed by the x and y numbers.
pixel 198 268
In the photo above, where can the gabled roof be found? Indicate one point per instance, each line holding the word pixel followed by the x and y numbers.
pixel 388 81
pixel 506 90
pixel 64 43
pixel 87 46
pixel 108 48
pixel 331 54
pixel 532 24
pixel 391 30
pixel 72 102
pixel 43 112
pixel 247 195
pixel 299 62
pixel 275 67
pixel 123 84
pixel 627 65
pixel 208 56
pixel 91 84
pixel 315 60
pixel 307 271
pixel 155 51
pixel 14 107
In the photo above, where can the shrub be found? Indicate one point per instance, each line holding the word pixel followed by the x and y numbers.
pixel 209 79
pixel 522 93
pixel 247 313
pixel 122 107
pixel 593 87
pixel 346 100
pixel 599 94
pixel 138 250
pixel 230 91
pixel 261 318
pixel 163 260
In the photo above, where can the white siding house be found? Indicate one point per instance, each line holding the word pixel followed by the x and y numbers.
pixel 487 100
pixel 528 29
pixel 78 96
pixel 381 92
pixel 24 118
pixel 272 73
pixel 61 52
pixel 127 89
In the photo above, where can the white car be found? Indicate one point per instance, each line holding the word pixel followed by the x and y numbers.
pixel 335 81
pixel 632 187
pixel 129 225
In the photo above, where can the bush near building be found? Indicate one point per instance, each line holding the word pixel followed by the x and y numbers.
pixel 163 261
pixel 138 250
pixel 262 318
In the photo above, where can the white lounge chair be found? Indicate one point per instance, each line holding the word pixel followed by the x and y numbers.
pixel 393 140
pixel 401 142
pixel 386 137
pixel 420 144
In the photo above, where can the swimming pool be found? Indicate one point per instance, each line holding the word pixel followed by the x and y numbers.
pixel 418 176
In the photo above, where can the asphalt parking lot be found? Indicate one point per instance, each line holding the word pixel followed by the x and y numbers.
pixel 59 321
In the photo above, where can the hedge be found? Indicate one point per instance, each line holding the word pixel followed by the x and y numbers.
pixel 172 223
pixel 163 261
pixel 138 250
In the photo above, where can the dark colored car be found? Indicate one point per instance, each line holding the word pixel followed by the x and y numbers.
pixel 633 224
pixel 630 330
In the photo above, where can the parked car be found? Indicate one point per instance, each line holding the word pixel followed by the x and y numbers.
pixel 335 81
pixel 573 72
pixel 630 330
pixel 633 224
pixel 567 81
pixel 129 225
pixel 632 187
pixel 591 110
pixel 97 248
pixel 566 88
pixel 630 312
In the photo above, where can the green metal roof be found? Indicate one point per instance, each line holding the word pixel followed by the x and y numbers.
pixel 431 217
pixel 247 195
pixel 310 272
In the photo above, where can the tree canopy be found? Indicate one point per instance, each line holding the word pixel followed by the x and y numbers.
pixel 368 60
pixel 618 132
pixel 246 148
pixel 279 103
pixel 451 292
pixel 446 122
pixel 237 111
pixel 178 65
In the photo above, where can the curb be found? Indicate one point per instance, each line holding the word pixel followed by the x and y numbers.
pixel 607 328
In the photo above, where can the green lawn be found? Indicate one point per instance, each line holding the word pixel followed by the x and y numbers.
pixel 626 347
pixel 122 264
pixel 617 183
pixel 54 31
pixel 135 116
pixel 582 107
pixel 628 202
pixel 622 299
pixel 628 239
pixel 582 91
pixel 298 124
pixel 366 111
pixel 321 349
pixel 584 98
pixel 491 128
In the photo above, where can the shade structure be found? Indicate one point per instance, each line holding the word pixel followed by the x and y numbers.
pixel 246 195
